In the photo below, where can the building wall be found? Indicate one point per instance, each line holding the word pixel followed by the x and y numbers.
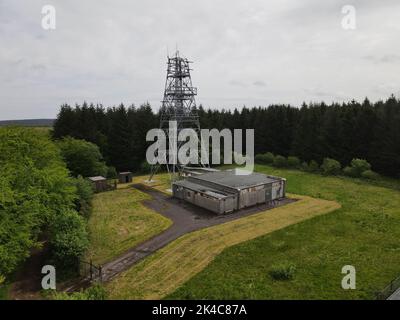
pixel 252 196
pixel 229 204
pixel 125 178
pixel 100 186
pixel 278 189
pixel 209 203
pixel 216 205
pixel 245 198
pixel 261 194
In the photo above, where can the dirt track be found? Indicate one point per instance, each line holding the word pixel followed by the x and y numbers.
pixel 185 217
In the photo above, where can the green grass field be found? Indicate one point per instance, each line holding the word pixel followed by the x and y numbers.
pixel 119 221
pixel 170 267
pixel 364 233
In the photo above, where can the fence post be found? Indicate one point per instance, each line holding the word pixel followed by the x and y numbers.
pixel 91 269
pixel 101 273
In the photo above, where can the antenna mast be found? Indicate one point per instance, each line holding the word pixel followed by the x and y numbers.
pixel 178 105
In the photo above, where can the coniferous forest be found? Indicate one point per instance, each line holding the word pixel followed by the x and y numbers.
pixel 314 131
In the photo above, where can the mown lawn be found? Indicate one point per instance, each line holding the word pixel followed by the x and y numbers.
pixel 119 221
pixel 364 233
pixel 170 267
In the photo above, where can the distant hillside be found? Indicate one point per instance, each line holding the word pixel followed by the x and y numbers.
pixel 28 122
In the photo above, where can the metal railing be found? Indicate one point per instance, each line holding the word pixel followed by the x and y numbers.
pixel 91 271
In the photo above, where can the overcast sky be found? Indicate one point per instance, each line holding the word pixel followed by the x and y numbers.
pixel 251 53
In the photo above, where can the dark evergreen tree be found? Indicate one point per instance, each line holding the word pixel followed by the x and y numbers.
pixel 316 131
pixel 120 144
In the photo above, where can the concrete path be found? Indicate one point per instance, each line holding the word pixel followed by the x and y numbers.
pixel 185 217
pixel 395 295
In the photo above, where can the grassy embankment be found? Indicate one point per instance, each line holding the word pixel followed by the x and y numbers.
pixel 119 221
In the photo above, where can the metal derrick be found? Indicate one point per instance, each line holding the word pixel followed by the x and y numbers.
pixel 178 105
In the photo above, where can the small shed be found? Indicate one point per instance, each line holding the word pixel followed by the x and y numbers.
pixel 99 183
pixel 125 177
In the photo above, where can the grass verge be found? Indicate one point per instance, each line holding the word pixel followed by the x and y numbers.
pixel 120 221
pixel 170 267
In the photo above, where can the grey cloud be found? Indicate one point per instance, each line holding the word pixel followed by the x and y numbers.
pixel 38 67
pixel 259 83
pixel 388 88
pixel 114 52
pixel 328 96
pixel 237 83
pixel 388 58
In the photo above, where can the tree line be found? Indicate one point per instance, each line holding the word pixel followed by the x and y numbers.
pixel 315 131
pixel 40 203
pixel 119 132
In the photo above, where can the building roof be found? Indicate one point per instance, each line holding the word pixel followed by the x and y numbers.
pixel 200 169
pixel 203 189
pixel 125 172
pixel 229 178
pixel 97 178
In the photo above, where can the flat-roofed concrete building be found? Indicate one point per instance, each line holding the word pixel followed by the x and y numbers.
pixel 224 191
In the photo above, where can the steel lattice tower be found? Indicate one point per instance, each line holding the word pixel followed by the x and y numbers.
pixel 178 105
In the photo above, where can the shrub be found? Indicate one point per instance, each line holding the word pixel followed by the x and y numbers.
pixel 264 158
pixel 82 157
pixel 112 173
pixel 34 187
pixel 331 166
pixel 280 161
pixel 293 162
pixel 283 271
pixel 145 167
pixel 95 292
pixel 349 171
pixel 359 166
pixel 356 168
pixel 304 166
pixel 313 166
pixel 84 191
pixel 68 237
pixel 269 157
pixel 259 158
pixel 369 174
